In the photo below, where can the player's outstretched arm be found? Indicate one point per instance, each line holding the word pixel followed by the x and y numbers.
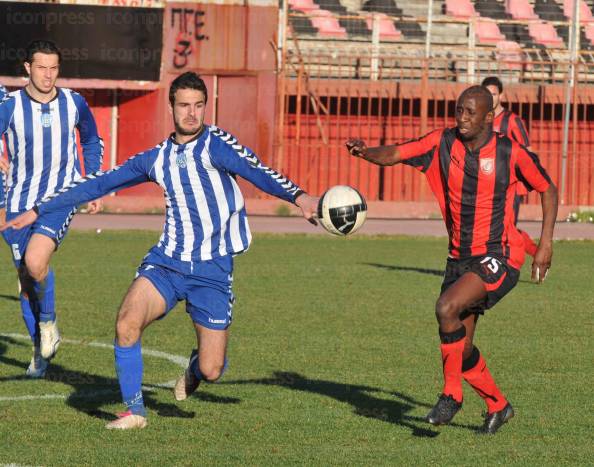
pixel 22 220
pixel 380 155
pixel 544 253
pixel 309 206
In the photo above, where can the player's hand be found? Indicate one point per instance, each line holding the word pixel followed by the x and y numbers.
pixel 542 262
pixel 309 207
pixel 4 164
pixel 25 219
pixel 2 216
pixel 93 207
pixel 356 147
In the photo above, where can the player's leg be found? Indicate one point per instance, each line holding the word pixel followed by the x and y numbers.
pixel 142 305
pixel 39 283
pixel 210 304
pixel 474 366
pixel 529 246
pixel 17 240
pixel 463 294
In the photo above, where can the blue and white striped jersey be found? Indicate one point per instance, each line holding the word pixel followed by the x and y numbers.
pixel 205 212
pixel 3 93
pixel 41 145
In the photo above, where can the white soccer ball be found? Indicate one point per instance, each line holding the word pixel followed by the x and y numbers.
pixel 342 210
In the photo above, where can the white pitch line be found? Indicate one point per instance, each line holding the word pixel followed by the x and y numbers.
pixel 177 359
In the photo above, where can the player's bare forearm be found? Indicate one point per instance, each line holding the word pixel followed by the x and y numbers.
pixel 379 155
pixel 544 254
pixel 549 201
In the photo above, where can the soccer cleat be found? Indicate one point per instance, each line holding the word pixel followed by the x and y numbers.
pixel 187 383
pixel 50 339
pixel 127 421
pixel 38 365
pixel 443 412
pixel 494 421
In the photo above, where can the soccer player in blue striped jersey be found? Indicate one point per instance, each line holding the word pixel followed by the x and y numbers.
pixel 3 93
pixel 205 226
pixel 39 122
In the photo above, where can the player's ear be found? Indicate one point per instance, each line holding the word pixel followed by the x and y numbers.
pixel 27 66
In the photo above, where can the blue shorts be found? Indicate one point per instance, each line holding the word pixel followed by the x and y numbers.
pixel 207 291
pixel 53 225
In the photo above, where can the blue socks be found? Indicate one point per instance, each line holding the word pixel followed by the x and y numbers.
pixel 128 363
pixel 45 296
pixel 29 318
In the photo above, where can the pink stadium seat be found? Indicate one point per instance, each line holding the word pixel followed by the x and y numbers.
pixel 303 5
pixel 544 33
pixel 327 24
pixel 460 8
pixel 487 32
pixel 589 30
pixel 387 29
pixel 520 9
pixel 585 12
pixel 510 54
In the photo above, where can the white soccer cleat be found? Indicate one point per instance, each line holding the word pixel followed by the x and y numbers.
pixel 50 339
pixel 187 383
pixel 127 421
pixel 38 365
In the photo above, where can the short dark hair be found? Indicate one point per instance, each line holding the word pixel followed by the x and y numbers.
pixel 493 81
pixel 43 46
pixel 480 92
pixel 187 80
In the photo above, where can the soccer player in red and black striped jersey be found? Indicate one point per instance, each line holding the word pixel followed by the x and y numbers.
pixel 511 125
pixel 473 172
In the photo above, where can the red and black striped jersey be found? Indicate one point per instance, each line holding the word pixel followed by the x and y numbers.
pixel 512 126
pixel 509 124
pixel 475 190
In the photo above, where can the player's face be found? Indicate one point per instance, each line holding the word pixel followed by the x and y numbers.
pixel 43 71
pixel 494 90
pixel 473 118
pixel 188 111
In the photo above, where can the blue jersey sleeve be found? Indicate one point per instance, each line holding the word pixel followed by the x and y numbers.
pixel 92 144
pixel 229 155
pixel 6 109
pixel 132 172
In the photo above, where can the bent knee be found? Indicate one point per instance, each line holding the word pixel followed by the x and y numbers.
pixel 36 268
pixel 446 310
pixel 212 372
pixel 127 332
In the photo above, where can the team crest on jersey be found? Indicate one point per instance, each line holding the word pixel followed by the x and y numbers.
pixel 181 160
pixel 487 166
pixel 46 119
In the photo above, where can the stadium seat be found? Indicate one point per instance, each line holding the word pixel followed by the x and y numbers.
pixel 545 33
pixel 387 29
pixel 585 12
pixel 487 32
pixel 520 9
pixel 460 8
pixel 327 24
pixel 303 5
pixel 510 54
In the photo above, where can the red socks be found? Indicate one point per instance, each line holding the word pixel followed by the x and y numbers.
pixel 452 348
pixel 476 373
pixel 529 246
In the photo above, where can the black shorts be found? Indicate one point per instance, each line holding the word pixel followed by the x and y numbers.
pixel 497 276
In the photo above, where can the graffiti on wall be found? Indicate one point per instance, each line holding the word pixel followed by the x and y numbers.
pixel 187 24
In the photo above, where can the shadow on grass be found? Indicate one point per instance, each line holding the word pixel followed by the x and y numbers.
pixel 391 267
pixel 360 398
pixel 9 298
pixel 91 392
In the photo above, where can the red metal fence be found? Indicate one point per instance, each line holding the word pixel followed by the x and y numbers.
pixel 326 98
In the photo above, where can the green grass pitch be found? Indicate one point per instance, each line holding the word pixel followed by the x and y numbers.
pixel 334 359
